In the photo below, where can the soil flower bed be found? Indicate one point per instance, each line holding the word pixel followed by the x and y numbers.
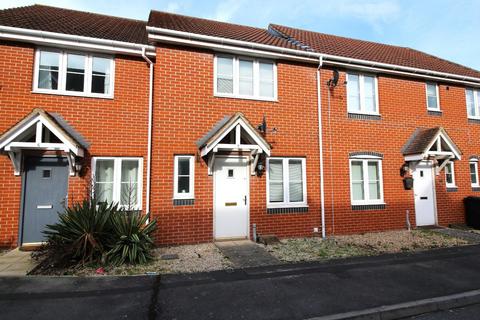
pixel 312 249
pixel 191 258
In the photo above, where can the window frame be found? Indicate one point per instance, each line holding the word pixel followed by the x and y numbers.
pixel 452 184
pixel 191 194
pixel 365 160
pixel 236 78
pixel 475 163
pixel 286 184
pixel 437 93
pixel 361 88
pixel 117 179
pixel 62 74
pixel 476 103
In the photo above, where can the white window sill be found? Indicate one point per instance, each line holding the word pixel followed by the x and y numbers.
pixel 381 203
pixel 184 198
pixel 219 95
pixel 287 205
pixel 473 118
pixel 73 94
pixel 434 110
pixel 451 186
pixel 365 113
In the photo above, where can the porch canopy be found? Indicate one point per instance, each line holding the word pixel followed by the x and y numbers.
pixel 431 144
pixel 42 131
pixel 233 134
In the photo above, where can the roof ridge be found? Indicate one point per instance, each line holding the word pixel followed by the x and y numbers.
pixel 337 36
pixel 204 19
pixel 444 60
pixel 76 10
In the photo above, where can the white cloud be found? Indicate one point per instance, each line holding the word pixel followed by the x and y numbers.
pixel 173 7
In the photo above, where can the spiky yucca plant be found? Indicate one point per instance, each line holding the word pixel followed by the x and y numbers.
pixel 132 241
pixel 81 233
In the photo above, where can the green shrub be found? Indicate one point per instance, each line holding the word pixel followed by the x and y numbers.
pixel 132 238
pixel 92 233
pixel 80 235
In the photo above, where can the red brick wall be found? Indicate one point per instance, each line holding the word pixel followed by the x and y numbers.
pixel 402 105
pixel 114 127
pixel 186 109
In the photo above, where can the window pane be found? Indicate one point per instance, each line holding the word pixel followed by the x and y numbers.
pixel 104 171
pixel 470 103
pixel 369 88
pixel 374 190
pixel 246 77
pixel 373 171
pixel 225 75
pixel 473 173
pixel 104 180
pixel 101 75
pixel 295 180
pixel 353 90
pixel 183 166
pixel 48 70
pixel 357 171
pixel 275 173
pixel 129 171
pixel 129 183
pixel 448 173
pixel 357 191
pixel 104 192
pixel 75 72
pixel 432 103
pixel 266 80
pixel 183 185
pixel 357 180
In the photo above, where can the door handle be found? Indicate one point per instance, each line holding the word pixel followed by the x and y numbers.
pixel 245 200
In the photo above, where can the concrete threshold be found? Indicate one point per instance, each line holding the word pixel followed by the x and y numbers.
pixel 409 309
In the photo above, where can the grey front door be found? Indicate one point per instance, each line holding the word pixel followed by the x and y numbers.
pixel 45 192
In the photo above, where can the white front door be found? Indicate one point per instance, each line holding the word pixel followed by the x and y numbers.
pixel 424 190
pixel 231 198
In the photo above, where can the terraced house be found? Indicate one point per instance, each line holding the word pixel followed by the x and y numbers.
pixel 225 131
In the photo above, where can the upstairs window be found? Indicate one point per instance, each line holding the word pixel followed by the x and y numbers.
pixel 118 180
pixel 432 97
pixel 286 182
pixel 248 78
pixel 473 103
pixel 183 182
pixel 362 94
pixel 72 73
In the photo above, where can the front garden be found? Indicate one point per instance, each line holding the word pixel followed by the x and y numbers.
pixel 102 239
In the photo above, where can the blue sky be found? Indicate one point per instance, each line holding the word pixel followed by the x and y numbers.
pixel 445 28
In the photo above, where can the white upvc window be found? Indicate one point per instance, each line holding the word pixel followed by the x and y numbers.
pixel 450 175
pixel 73 73
pixel 362 93
pixel 433 100
pixel 474 173
pixel 118 180
pixel 242 77
pixel 286 182
pixel 473 103
pixel 183 177
pixel 366 182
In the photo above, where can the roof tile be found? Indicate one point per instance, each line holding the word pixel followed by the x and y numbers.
pixel 79 23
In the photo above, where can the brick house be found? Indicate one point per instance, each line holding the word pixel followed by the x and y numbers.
pixel 228 131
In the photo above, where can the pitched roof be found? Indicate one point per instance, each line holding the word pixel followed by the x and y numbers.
pixel 420 140
pixel 61 124
pixel 79 23
pixel 372 51
pixel 219 29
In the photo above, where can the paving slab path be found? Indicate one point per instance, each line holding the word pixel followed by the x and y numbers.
pixel 472 237
pixel 246 254
pixel 16 263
